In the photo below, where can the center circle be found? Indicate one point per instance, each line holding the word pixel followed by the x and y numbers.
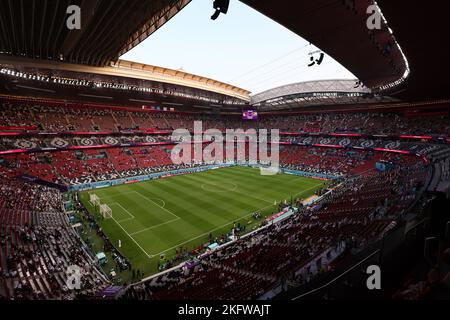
pixel 219 187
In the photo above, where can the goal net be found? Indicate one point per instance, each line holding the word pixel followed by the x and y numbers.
pixel 94 199
pixel 269 171
pixel 105 211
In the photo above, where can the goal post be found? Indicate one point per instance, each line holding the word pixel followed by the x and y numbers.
pixel 94 199
pixel 105 211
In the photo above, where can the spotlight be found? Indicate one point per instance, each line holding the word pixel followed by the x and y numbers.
pixel 221 6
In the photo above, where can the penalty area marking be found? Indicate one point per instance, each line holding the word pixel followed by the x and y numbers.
pixel 126 232
pixel 137 243
pixel 154 227
pixel 187 241
pixel 132 217
pixel 128 212
pixel 158 199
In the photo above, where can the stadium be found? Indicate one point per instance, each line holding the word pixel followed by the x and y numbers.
pixel 121 180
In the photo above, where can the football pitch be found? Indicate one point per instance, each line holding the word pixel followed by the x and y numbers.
pixel 156 217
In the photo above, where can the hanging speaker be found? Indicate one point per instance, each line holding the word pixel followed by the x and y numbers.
pixel 221 6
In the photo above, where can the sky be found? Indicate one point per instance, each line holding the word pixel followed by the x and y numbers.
pixel 243 48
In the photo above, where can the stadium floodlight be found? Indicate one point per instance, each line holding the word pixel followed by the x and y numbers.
pixel 221 6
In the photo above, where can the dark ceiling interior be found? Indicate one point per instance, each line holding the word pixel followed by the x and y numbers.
pixel 109 28
pixel 339 28
pixel 423 30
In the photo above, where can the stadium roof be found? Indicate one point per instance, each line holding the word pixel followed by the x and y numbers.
pixel 339 28
pixel 311 93
pixel 179 77
pixel 146 77
pixel 37 30
pixel 109 28
pixel 423 30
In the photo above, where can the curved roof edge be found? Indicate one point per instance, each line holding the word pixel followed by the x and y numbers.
pixel 155 73
pixel 135 70
pixel 336 85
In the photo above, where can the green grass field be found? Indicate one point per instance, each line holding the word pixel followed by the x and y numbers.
pixel 156 217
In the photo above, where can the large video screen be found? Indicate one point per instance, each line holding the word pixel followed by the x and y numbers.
pixel 250 115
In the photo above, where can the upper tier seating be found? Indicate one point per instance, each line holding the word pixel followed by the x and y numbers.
pixel 82 118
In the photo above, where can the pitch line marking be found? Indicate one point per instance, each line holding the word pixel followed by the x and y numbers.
pixel 140 247
pixel 206 233
pixel 187 241
pixel 233 189
pixel 125 231
pixel 117 194
pixel 252 196
pixel 313 187
pixel 154 227
pixel 125 220
pixel 163 202
pixel 128 212
pixel 150 199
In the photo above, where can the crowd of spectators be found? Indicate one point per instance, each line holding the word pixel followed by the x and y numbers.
pixel 59 118
pixel 38 245
pixel 297 249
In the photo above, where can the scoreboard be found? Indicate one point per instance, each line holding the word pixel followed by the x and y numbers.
pixel 250 115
